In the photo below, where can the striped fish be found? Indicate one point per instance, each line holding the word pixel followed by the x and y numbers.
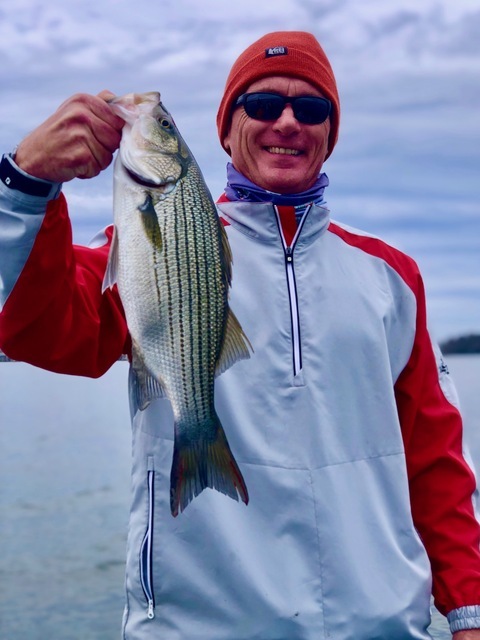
pixel 172 263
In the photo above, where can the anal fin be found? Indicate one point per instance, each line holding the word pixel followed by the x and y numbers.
pixel 142 386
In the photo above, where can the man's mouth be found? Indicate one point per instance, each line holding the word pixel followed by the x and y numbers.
pixel 283 151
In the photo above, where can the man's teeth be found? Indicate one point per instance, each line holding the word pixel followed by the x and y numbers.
pixel 287 152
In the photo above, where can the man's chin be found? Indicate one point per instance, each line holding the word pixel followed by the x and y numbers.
pixel 285 185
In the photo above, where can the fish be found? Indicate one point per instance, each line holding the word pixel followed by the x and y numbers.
pixel 172 263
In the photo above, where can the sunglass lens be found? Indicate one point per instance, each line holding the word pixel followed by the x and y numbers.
pixel 264 107
pixel 311 110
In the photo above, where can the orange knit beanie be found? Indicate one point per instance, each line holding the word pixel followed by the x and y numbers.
pixel 282 53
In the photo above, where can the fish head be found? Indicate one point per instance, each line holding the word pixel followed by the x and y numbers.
pixel 152 151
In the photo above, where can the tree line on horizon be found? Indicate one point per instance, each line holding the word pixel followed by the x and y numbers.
pixel 462 344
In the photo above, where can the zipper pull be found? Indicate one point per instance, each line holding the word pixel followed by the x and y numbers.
pixel 150 612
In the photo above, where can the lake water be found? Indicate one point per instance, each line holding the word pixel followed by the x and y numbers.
pixel 64 499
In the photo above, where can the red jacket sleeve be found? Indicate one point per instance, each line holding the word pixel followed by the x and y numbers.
pixel 441 482
pixel 56 316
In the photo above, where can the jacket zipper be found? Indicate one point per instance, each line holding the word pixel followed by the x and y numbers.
pixel 292 292
pixel 294 314
pixel 146 554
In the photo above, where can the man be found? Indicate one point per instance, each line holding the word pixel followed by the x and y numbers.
pixel 348 439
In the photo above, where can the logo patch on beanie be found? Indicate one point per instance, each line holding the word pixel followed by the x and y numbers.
pixel 276 51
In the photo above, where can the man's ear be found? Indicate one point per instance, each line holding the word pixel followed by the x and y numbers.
pixel 226 142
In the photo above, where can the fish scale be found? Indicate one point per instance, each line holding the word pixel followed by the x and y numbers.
pixel 194 306
pixel 171 261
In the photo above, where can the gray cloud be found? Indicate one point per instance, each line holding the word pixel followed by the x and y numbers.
pixel 406 166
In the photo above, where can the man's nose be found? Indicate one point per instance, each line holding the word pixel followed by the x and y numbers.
pixel 286 122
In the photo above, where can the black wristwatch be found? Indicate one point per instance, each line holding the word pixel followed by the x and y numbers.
pixel 13 178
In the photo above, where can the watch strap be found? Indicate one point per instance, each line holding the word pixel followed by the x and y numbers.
pixel 13 178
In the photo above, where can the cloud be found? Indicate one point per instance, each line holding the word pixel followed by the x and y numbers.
pixel 407 160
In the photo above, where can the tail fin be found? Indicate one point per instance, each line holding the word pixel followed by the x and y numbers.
pixel 203 464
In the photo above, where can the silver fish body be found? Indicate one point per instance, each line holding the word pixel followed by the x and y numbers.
pixel 172 263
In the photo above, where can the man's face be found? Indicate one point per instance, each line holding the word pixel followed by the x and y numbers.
pixel 283 155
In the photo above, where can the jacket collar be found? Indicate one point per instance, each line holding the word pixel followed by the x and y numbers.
pixel 262 221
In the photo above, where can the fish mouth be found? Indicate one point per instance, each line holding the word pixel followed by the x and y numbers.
pixel 166 186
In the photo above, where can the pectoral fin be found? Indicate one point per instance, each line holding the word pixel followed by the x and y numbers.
pixel 150 223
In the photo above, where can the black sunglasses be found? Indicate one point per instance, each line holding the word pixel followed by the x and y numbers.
pixel 270 106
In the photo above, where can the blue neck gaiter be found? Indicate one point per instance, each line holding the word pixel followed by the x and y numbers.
pixel 241 188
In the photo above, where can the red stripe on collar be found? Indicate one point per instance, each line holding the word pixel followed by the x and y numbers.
pixel 288 221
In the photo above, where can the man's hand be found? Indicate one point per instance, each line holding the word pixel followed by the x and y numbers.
pixel 77 141
pixel 470 634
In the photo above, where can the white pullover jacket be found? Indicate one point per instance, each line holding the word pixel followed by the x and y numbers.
pixel 343 423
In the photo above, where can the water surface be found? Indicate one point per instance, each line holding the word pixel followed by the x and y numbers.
pixel 64 499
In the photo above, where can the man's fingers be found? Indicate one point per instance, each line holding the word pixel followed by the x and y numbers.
pixel 78 140
pixel 106 95
pixel 99 107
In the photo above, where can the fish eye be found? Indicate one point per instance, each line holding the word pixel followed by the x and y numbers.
pixel 164 122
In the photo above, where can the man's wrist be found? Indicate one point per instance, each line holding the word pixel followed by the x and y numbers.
pixel 13 177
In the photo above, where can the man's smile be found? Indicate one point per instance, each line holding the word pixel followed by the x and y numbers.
pixel 284 151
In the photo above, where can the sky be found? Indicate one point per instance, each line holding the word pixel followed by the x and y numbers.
pixel 407 164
